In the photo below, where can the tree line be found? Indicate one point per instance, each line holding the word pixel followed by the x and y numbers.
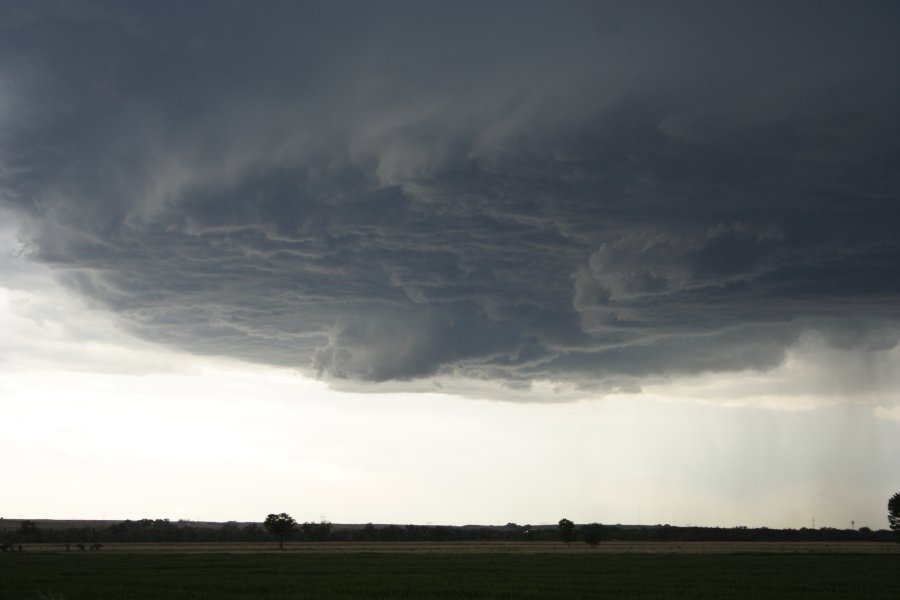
pixel 283 526
pixel 163 530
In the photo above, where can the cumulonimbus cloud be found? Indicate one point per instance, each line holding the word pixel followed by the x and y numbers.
pixel 588 194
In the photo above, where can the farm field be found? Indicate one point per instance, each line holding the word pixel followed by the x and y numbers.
pixel 428 572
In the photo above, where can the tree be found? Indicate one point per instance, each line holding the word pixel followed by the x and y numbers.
pixel 281 525
pixel 566 530
pixel 592 534
pixel 894 514
pixel 29 531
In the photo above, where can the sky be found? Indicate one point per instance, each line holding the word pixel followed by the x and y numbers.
pixel 450 262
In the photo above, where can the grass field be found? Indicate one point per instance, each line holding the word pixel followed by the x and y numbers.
pixel 152 573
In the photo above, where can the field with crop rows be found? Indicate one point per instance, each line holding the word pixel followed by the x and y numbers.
pixel 142 572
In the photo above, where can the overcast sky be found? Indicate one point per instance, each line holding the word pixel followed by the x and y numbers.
pixel 469 261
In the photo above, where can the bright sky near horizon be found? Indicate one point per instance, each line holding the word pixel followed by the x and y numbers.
pixel 450 263
pixel 100 425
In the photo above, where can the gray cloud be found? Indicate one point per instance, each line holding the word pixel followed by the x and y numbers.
pixel 588 194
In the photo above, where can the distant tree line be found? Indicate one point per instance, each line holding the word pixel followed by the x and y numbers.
pixel 163 530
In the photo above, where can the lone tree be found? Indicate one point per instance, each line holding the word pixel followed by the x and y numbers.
pixel 566 530
pixel 894 514
pixel 592 534
pixel 281 525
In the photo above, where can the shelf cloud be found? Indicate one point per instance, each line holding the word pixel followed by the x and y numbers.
pixel 586 194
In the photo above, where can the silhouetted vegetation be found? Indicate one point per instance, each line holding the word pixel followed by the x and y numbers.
pixel 566 530
pixel 29 531
pixel 281 526
pixel 894 514
pixel 163 530
pixel 317 532
pixel 592 534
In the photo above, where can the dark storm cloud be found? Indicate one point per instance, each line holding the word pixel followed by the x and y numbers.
pixel 588 193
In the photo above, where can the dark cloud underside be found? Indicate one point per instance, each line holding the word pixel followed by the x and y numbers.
pixel 588 193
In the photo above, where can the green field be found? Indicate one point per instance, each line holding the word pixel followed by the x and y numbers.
pixel 135 575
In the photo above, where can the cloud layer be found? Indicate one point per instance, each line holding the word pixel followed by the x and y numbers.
pixel 586 194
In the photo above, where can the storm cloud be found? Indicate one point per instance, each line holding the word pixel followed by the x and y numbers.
pixel 587 194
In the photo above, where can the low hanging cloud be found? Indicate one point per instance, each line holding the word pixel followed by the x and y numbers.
pixel 588 194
